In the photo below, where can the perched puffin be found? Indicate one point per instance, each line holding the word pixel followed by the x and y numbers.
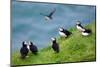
pixel 49 16
pixel 55 45
pixel 33 48
pixel 24 50
pixel 79 26
pixel 63 32
pixel 86 32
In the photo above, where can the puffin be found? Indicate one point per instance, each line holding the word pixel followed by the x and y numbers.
pixel 63 32
pixel 55 45
pixel 33 48
pixel 79 26
pixel 86 32
pixel 49 16
pixel 24 50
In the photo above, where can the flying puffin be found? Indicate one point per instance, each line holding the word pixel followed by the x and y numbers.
pixel 24 50
pixel 79 26
pixel 33 48
pixel 49 16
pixel 55 45
pixel 63 32
pixel 86 32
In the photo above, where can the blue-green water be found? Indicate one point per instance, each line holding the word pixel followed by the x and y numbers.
pixel 29 25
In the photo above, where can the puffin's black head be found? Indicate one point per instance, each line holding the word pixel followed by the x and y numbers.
pixel 30 43
pixel 61 29
pixel 78 22
pixel 24 43
pixel 53 39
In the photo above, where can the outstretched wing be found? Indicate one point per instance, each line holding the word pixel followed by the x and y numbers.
pixel 52 13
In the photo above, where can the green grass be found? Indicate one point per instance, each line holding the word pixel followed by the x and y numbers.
pixel 75 48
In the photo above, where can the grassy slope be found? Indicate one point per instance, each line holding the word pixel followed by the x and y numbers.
pixel 76 48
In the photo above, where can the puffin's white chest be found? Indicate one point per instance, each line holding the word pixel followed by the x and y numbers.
pixel 62 34
pixel 28 47
pixel 80 28
pixel 85 34
pixel 47 18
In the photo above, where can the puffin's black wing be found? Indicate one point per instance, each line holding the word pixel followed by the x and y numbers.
pixel 55 47
pixel 24 52
pixel 81 26
pixel 88 31
pixel 52 13
pixel 67 32
pixel 33 48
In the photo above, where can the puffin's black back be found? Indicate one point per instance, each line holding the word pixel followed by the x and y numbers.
pixel 66 32
pixel 33 48
pixel 88 31
pixel 55 46
pixel 24 51
pixel 80 26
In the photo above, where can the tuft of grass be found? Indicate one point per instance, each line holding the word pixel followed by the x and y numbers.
pixel 75 48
